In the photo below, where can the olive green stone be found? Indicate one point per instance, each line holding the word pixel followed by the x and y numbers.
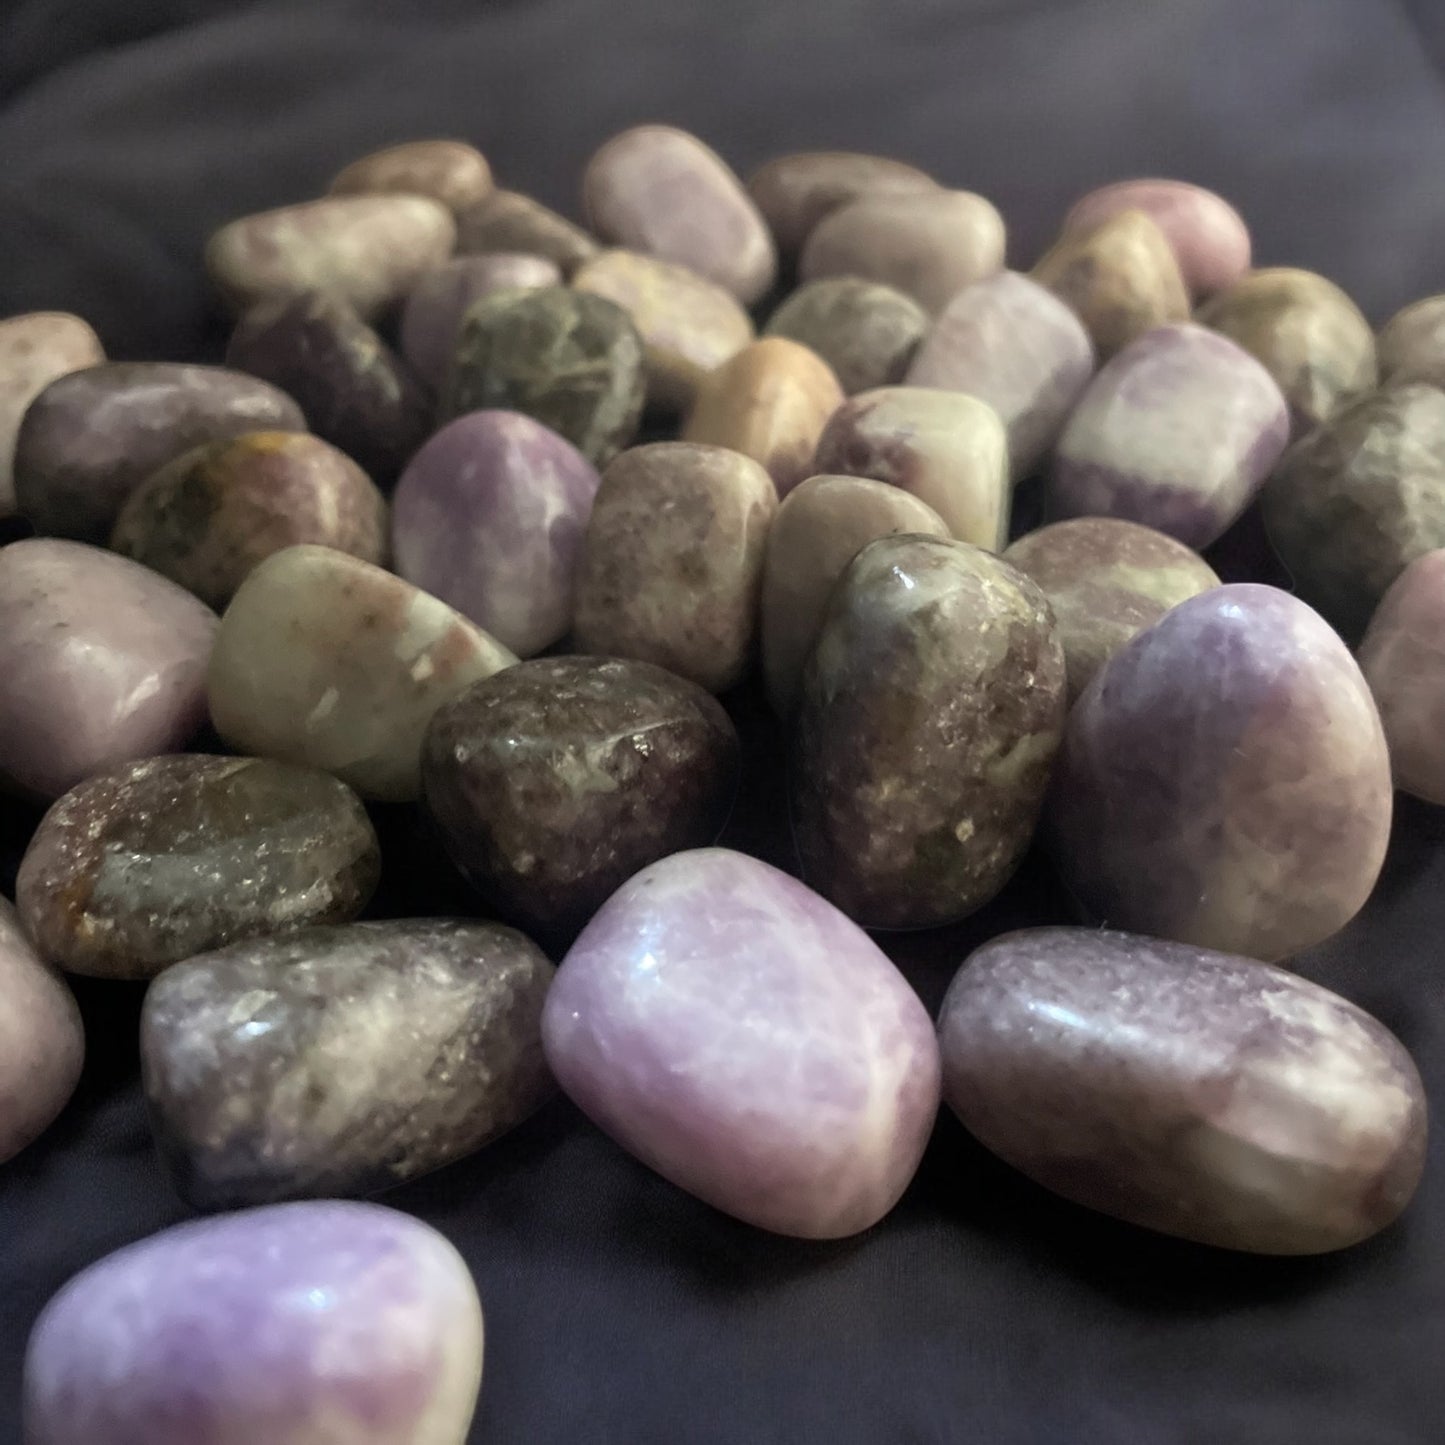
pixel 866 331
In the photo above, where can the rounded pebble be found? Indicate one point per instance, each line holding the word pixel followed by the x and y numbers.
pixel 865 331
pixel 510 222
pixel 1411 345
pixel 449 171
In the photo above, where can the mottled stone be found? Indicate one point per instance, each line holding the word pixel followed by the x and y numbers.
pixel 929 244
pixel 1191 1092
pixel 1308 334
pixel 946 448
pixel 1107 580
pixel 301 1324
pixel 369 250
pixel 689 326
pixel 771 403
pixel 490 517
pixel 341 1060
pixel 741 1037
pixel 673 560
pixel 325 660
pixel 1411 345
pixel 508 221
pixel 865 331
pixel 449 171
pixel 930 711
pixel 555 781
pixel 144 865
pixel 1224 780
pixel 661 191
pixel 1177 432
pixel 103 662
pixel 93 436
pixel 1012 343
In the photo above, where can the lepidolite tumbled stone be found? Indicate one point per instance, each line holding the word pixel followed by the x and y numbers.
pixel 323 659
pixel 103 662
pixel 144 865
pixel 510 222
pixel 1177 432
pixel 299 1324
pixel 555 781
pixel 1187 1091
pixel 930 712
pixel 1411 345
pixel 490 517
pixel 1224 780
pixel 673 559
pixel 741 1037
pixel 449 171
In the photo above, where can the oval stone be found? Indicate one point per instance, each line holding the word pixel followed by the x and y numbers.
pixel 741 1037
pixel 301 1324
pixel 449 171
pixel 490 517
pixel 1177 432
pixel 511 222
pixel 323 659
pixel 1411 345
pixel 930 711
pixel 555 781
pixel 1224 780
pixel 661 191
pixel 93 436
pixel 142 866
pixel 103 662
pixel 673 560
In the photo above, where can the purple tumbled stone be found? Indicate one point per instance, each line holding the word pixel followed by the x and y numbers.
pixel 739 1035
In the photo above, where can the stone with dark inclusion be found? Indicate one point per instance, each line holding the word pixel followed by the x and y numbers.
pixel 341 1061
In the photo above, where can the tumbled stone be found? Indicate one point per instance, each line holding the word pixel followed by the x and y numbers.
pixel 1191 1092
pixel 490 517
pixel 821 526
pixel 673 559
pixel 356 392
pixel 508 221
pixel 1177 432
pixel 146 864
pixel 449 171
pixel 555 781
pixel 1012 343
pixel 324 660
pixel 1411 345
pixel 948 449
pixel 741 1037
pixel 1121 279
pixel 661 191
pixel 689 326
pixel 368 250
pixel 929 244
pixel 103 662
pixel 1224 780
pixel 865 331
pixel 771 403
pixel 1307 333
pixel 1107 580
pixel 92 436
pixel 930 711
pixel 341 1060
pixel 301 1324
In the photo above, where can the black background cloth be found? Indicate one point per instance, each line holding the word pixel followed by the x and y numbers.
pixel 620 1311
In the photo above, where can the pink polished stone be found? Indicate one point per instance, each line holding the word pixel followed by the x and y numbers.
pixel 739 1035
pixel 103 660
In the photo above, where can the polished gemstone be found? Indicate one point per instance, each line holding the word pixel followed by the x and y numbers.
pixel 865 331
pixel 449 171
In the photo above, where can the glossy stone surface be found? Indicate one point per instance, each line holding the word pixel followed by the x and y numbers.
pixel 511 222
pixel 555 781
pixel 449 171
pixel 771 403
pixel 673 558
pixel 325 660
pixel 948 449
pixel 341 1060
pixel 302 1324
pixel 1411 345
pixel 490 517
pixel 146 864
pixel 91 437
pixel 865 331
pixel 661 191
pixel 1107 580
pixel 103 662
pixel 1012 343
pixel 1224 780
pixel 1177 432
pixel 368 250
pixel 930 711
pixel 929 244
pixel 741 1037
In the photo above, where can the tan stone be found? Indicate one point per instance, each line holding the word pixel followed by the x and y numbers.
pixel 449 171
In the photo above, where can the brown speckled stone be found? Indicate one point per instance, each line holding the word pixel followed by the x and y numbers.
pixel 449 171
pixel 865 331
pixel 509 221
